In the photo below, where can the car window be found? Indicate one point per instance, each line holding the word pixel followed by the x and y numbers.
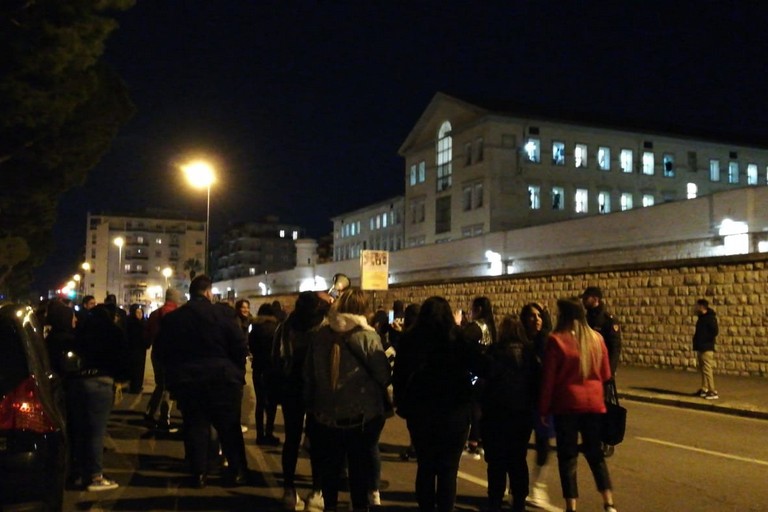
pixel 14 368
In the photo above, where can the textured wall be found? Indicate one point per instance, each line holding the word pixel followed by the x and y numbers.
pixel 654 304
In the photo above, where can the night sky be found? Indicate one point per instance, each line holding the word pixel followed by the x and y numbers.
pixel 303 105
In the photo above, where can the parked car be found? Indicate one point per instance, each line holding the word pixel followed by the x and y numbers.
pixel 33 448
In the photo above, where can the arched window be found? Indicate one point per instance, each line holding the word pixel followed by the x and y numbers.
pixel 444 156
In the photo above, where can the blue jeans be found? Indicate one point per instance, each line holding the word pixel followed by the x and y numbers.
pixel 89 402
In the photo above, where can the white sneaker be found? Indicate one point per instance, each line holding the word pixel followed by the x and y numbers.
pixel 292 501
pixel 102 484
pixel 374 498
pixel 539 497
pixel 243 428
pixel 314 502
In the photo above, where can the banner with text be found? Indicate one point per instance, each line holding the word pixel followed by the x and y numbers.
pixel 374 270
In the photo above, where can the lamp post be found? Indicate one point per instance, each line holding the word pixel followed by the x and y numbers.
pixel 200 175
pixel 167 272
pixel 119 242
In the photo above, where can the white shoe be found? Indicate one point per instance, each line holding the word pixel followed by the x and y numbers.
pixel 292 501
pixel 314 502
pixel 102 483
pixel 374 498
pixel 243 429
pixel 539 497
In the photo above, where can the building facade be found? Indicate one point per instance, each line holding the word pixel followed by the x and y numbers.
pixel 255 248
pixel 471 170
pixel 379 226
pixel 136 257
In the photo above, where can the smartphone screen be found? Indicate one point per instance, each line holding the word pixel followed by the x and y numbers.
pixel 391 315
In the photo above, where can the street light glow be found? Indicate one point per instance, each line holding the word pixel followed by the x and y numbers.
pixel 199 173
pixel 119 241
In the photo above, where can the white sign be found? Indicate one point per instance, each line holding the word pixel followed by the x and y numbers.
pixel 374 270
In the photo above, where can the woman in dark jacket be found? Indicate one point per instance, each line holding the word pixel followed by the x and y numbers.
pixel 538 324
pixel 100 346
pixel 137 347
pixel 263 329
pixel 481 333
pixel 433 392
pixel 289 351
pixel 510 370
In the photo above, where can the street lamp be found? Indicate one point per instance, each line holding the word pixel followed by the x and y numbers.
pixel 119 242
pixel 200 175
pixel 167 272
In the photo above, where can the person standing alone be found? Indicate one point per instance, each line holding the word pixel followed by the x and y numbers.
pixel 704 345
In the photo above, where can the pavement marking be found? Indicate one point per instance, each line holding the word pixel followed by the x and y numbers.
pixel 701 450
pixel 483 483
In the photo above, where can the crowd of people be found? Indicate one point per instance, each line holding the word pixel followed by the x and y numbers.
pixel 466 383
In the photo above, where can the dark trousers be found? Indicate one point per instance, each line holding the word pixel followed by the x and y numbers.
pixel 505 440
pixel 217 404
pixel 266 404
pixel 334 445
pixel 160 396
pixel 439 440
pixel 567 428
pixel 294 413
pixel 138 361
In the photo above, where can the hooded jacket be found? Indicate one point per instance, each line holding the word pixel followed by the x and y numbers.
pixel 357 397
pixel 706 331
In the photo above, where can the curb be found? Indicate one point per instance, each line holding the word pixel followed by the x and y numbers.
pixel 707 406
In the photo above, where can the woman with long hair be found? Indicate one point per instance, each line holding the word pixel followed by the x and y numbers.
pixel 510 370
pixel 481 333
pixel 345 374
pixel 433 392
pixel 289 349
pixel 574 369
pixel 537 323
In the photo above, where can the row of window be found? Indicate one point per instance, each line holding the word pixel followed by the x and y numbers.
pixel 626 161
pixel 349 251
pixel 557 199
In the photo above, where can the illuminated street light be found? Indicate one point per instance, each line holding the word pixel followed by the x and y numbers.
pixel 119 242
pixel 167 272
pixel 200 175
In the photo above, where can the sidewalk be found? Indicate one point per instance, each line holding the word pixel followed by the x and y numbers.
pixel 742 396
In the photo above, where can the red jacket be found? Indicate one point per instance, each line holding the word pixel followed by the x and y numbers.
pixel 563 391
pixel 153 322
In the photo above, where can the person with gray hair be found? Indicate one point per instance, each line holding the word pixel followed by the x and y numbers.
pixel 160 397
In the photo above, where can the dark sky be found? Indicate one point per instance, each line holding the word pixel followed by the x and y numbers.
pixel 305 104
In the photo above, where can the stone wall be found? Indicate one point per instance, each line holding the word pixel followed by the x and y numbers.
pixel 653 302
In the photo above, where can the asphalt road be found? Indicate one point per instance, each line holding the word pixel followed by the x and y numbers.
pixel 672 459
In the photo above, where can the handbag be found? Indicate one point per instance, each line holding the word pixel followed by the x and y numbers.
pixel 615 418
pixel 389 404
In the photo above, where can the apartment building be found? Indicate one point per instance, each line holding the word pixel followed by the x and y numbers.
pixel 375 227
pixel 136 257
pixel 472 170
pixel 253 248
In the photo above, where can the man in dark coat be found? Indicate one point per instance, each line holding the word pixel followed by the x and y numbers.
pixel 704 344
pixel 204 350
pixel 603 322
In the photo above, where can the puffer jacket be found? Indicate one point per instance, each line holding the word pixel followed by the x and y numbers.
pixel 358 396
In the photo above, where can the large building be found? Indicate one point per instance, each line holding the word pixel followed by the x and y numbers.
pixel 255 248
pixel 375 227
pixel 136 257
pixel 471 170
